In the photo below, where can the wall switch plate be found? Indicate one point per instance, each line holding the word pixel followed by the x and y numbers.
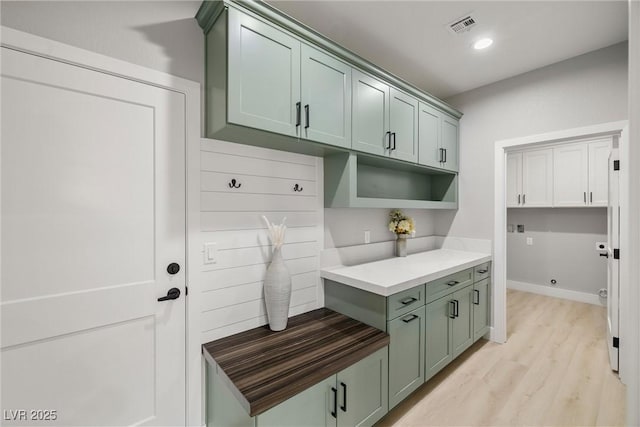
pixel 210 253
pixel 530 241
pixel 367 236
pixel 601 246
pixel 520 228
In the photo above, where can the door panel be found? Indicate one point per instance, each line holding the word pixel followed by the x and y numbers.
pixel 438 349
pixel 429 136
pixel 326 92
pixel 462 329
pixel 613 265
pixel 481 312
pixel 537 178
pixel 370 114
pixel 403 124
pixel 599 172
pixel 514 179
pixel 93 210
pixel 570 175
pixel 406 355
pixel 264 75
pixel 450 130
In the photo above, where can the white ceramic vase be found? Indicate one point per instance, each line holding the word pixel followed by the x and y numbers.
pixel 401 244
pixel 277 292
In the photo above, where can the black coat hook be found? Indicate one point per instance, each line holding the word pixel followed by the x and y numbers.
pixel 297 188
pixel 232 184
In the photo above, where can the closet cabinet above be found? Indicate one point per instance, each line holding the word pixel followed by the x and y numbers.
pixel 272 82
pixel 530 179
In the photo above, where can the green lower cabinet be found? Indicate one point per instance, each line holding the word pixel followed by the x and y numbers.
pixel 481 311
pixel 406 354
pixel 462 323
pixel 363 391
pixel 309 408
pixel 438 348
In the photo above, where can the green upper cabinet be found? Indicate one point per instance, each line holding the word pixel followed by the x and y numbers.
pixel 437 138
pixel 403 125
pixel 264 77
pixel 370 114
pixel 326 98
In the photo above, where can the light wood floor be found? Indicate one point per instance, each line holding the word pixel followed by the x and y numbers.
pixel 553 370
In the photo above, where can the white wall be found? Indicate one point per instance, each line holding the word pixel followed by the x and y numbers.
pixel 564 248
pixel 581 91
pixel 346 227
pixel 162 35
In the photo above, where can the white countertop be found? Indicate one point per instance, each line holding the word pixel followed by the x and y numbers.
pixel 393 275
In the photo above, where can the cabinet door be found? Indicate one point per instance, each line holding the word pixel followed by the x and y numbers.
pixel 481 311
pixel 462 329
pixel 438 349
pixel 403 124
pixel 326 98
pixel 514 180
pixel 570 175
pixel 406 354
pixel 537 178
pixel 449 142
pixel 363 391
pixel 599 172
pixel 311 407
pixel 370 119
pixel 263 75
pixel 429 136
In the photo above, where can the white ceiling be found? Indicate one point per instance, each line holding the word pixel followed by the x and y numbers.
pixel 410 38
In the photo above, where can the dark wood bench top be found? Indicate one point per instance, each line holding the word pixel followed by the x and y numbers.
pixel 264 368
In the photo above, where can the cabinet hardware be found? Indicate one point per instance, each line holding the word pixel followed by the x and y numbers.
pixel 306 116
pixel 482 271
pixel 524 196
pixel 445 155
pixel 453 283
pixel 297 188
pixel 410 318
pixel 440 153
pixel 408 301
pixel 334 412
pixel 233 182
pixel 456 305
pixel 476 297
pixel 388 135
pixel 590 196
pixel 394 141
pixel 452 311
pixel 298 113
pixel 174 293
pixel 616 165
pixel 344 397
pixel 585 197
pixel 606 255
pixel 518 199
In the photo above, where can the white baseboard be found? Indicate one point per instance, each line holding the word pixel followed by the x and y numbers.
pixel 555 292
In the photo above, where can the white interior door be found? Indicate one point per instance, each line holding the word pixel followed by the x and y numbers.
pixel 613 268
pixel 93 211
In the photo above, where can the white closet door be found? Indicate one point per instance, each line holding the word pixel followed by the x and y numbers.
pixel 93 211
pixel 570 175
pixel 537 178
pixel 599 172
pixel 514 180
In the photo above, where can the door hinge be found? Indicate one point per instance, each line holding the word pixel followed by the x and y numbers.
pixel 616 342
pixel 186 290
pixel 616 165
pixel 616 254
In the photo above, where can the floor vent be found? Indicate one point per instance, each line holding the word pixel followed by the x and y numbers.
pixel 463 24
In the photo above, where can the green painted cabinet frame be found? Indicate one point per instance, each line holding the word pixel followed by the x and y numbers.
pixel 438 138
pixel 355 396
pixel 481 308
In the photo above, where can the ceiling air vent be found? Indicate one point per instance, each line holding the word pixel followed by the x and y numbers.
pixel 463 24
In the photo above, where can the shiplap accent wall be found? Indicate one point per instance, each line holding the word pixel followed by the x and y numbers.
pixel 232 288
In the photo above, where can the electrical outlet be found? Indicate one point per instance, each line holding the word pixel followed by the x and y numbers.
pixel 520 228
pixel 530 241
pixel 601 246
pixel 210 253
pixel 367 236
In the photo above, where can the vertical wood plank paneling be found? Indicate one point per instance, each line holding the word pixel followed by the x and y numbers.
pixel 232 298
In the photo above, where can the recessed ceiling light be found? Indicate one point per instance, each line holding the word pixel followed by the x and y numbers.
pixel 482 43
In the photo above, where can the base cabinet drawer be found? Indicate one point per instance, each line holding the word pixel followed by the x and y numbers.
pixel 444 286
pixel 406 354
